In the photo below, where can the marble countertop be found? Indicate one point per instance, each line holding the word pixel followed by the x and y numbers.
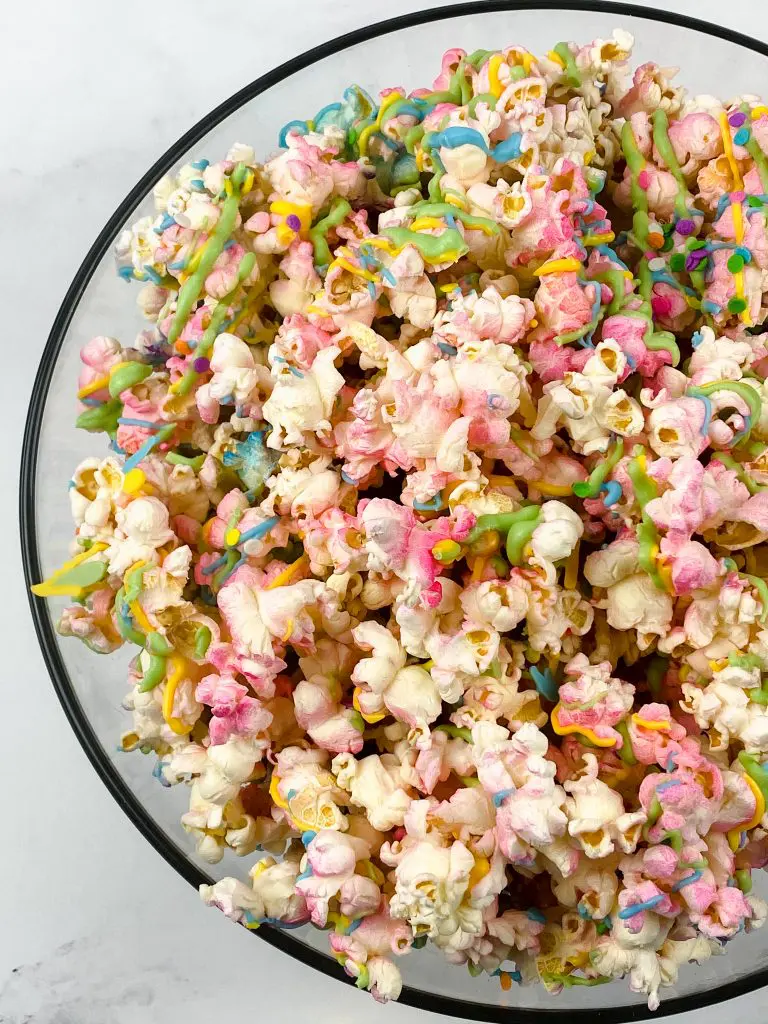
pixel 97 929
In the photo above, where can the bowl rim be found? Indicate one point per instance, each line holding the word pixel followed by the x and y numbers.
pixel 43 624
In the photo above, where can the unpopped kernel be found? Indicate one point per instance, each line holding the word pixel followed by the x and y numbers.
pixel 437 511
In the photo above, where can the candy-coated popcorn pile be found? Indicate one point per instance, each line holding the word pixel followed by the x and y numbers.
pixel 437 512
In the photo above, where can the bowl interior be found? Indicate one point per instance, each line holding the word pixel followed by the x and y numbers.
pixel 93 687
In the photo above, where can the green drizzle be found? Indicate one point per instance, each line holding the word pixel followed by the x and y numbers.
pixel 127 377
pixel 667 153
pixel 636 163
pixel 761 587
pixel 749 482
pixel 456 731
pixel 189 293
pixel 615 280
pixel 202 641
pixel 482 97
pixel 318 233
pixel 427 209
pixel 647 535
pixel 447 247
pixel 625 751
pixel 101 417
pixel 744 392
pixel 590 488
pixel 755 771
pixel 572 74
pixel 195 462
pixel 743 878
pixel 219 315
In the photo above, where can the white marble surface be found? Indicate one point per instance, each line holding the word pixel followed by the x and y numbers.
pixel 96 929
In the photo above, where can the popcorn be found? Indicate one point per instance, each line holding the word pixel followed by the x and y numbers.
pixel 435 511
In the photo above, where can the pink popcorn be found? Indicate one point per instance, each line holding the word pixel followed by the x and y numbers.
pixel 552 361
pixel 255 620
pixel 696 139
pixel 629 333
pixel 479 317
pixel 692 566
pixel 99 355
pixel 292 294
pixel 718 912
pixel 344 299
pixel 92 623
pixel 395 542
pixel 300 175
pixel 660 739
pixel 234 712
pixel 517 929
pixel 563 305
pixel 593 699
pixel 688 799
pixel 331 859
pixel 661 190
pixel 316 699
pixel 650 89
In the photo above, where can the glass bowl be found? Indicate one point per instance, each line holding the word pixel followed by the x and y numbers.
pixel 405 51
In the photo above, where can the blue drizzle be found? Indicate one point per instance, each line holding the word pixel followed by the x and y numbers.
pixel 607 251
pixel 534 914
pixel 707 414
pixel 612 491
pixel 308 836
pixel 234 569
pixel 157 772
pixel 499 798
pixel 257 532
pixel 432 505
pixel 545 683
pixel 669 784
pixel 208 570
pixel 689 880
pixel 638 908
pixel 166 222
pixel 452 138
pixel 147 424
pixel 301 126
pixel 142 453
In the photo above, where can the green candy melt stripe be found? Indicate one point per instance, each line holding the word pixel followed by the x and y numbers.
pixel 190 291
pixel 450 245
pixel 317 234
pixel 743 391
pixel 666 152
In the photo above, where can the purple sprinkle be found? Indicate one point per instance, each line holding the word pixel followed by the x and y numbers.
pixel 693 259
pixel 201 365
pixel 293 222
pixel 737 119
pixel 685 227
